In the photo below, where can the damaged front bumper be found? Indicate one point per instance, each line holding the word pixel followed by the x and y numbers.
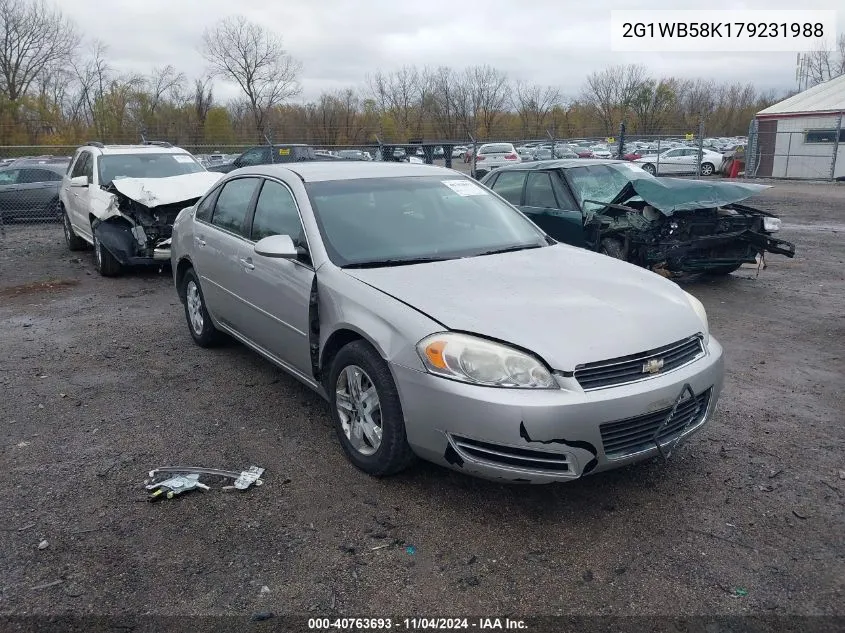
pixel 713 251
pixel 129 244
pixel 543 436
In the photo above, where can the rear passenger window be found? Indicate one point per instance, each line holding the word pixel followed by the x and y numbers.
pixel 205 207
pixel 233 204
pixel 276 214
pixel 509 186
pixel 539 192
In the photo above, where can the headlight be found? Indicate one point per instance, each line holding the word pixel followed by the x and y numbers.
pixel 482 362
pixel 771 224
pixel 702 314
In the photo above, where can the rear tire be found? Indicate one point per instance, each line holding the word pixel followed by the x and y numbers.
pixel 392 453
pixel 648 167
pixel 105 262
pixel 707 169
pixel 74 242
pixel 199 322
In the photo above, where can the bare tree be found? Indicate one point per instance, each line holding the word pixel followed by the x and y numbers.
pixel 33 37
pixel 443 85
pixel 489 93
pixel 653 103
pixel 611 91
pixel 533 104
pixel 254 58
pixel 164 83
pixel 398 95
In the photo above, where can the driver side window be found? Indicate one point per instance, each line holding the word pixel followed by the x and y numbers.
pixel 83 167
pixel 254 156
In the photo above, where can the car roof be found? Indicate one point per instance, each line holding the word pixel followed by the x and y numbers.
pixel 560 163
pixel 136 149
pixel 319 171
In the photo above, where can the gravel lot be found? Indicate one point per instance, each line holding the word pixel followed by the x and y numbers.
pixel 101 382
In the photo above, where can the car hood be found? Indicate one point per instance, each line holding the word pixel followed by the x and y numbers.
pixel 154 192
pixel 668 195
pixel 565 304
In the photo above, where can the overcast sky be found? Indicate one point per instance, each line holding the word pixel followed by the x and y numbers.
pixel 339 41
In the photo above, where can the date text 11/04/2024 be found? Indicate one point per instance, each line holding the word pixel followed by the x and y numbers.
pixel 415 624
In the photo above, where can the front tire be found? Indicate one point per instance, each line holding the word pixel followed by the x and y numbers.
pixel 196 314
pixel 707 169
pixel 721 271
pixel 74 242
pixel 612 248
pixel 105 262
pixel 366 411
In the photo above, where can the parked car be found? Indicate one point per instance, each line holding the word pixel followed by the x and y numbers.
pixel 399 293
pixel 122 200
pixel 353 154
pixel 525 153
pixel 458 151
pixel 269 154
pixel 680 160
pixel 673 225
pixel 29 190
pixel 494 155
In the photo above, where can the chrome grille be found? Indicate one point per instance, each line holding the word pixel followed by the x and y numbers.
pixel 626 369
pixel 632 435
pixel 500 455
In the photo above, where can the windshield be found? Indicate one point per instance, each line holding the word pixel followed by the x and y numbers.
pixel 116 166
pixel 372 220
pixel 602 183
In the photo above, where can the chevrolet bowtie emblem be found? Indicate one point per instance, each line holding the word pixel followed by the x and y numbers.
pixel 653 366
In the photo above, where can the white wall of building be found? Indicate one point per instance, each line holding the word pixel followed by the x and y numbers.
pixel 796 159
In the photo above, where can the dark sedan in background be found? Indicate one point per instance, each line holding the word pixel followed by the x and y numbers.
pixel 29 189
pixel 672 226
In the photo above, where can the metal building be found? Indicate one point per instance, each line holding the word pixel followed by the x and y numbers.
pixel 802 136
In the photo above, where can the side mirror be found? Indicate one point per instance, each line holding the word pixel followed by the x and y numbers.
pixel 79 181
pixel 277 247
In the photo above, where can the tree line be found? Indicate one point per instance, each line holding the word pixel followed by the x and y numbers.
pixel 57 89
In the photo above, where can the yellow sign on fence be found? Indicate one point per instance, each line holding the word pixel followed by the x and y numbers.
pixel 689 137
pixel 610 139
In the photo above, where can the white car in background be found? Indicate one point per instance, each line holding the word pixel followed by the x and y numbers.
pixel 493 155
pixel 681 160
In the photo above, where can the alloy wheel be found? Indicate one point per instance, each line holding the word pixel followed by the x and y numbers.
pixel 194 303
pixel 359 409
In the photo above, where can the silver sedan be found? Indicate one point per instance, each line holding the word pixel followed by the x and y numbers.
pixel 439 322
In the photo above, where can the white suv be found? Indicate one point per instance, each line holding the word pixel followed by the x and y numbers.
pixel 493 155
pixel 123 199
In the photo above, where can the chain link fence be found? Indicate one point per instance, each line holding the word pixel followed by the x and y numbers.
pixel 30 175
pixel 797 147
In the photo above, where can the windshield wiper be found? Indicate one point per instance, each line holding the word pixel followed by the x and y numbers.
pixel 508 249
pixel 384 263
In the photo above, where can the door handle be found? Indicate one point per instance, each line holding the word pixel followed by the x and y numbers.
pixel 75 195
pixel 199 241
pixel 247 263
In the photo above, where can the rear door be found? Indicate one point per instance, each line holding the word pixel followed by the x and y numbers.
pixel 38 191
pixel 9 198
pixel 217 248
pixel 276 292
pixel 550 206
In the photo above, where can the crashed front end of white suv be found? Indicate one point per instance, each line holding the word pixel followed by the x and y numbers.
pixel 133 217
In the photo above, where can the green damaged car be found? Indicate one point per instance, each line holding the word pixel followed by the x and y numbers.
pixel 670 225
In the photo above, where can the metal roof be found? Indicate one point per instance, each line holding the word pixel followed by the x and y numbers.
pixel 558 163
pixel 319 170
pixel 827 97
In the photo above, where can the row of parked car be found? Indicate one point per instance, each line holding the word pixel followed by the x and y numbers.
pixel 512 328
